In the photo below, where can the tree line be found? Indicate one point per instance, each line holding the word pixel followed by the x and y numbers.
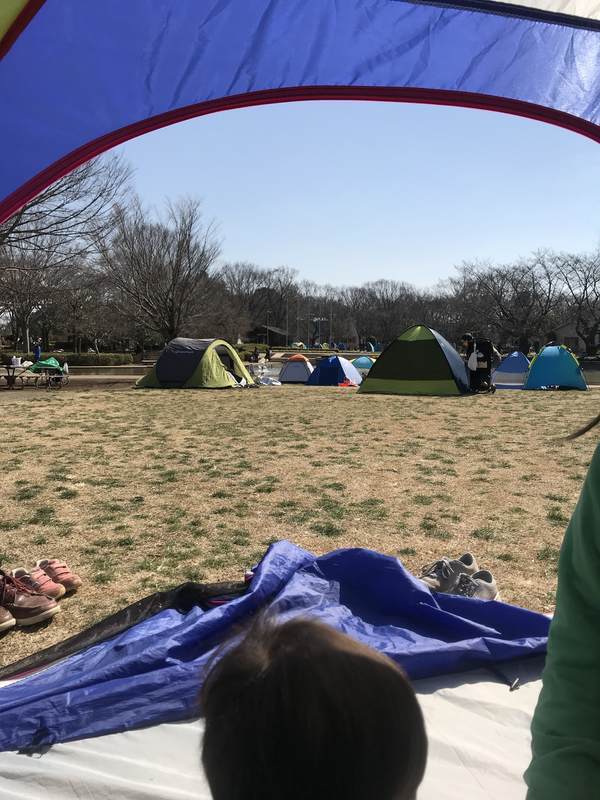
pixel 85 264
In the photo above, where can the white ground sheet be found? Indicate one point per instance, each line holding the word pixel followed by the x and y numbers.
pixel 478 737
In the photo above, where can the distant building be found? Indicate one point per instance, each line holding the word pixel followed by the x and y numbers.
pixel 269 334
pixel 567 334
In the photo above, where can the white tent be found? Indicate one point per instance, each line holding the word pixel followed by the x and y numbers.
pixel 295 370
pixel 478 730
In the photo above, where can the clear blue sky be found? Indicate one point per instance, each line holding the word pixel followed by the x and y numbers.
pixel 347 192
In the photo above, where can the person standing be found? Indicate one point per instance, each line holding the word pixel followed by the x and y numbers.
pixel 470 358
pixel 37 350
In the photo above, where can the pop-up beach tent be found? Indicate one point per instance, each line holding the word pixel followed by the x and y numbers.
pixel 126 68
pixel 363 364
pixel 334 371
pixel 419 361
pixel 555 367
pixel 197 364
pixel 512 371
pixel 114 712
pixel 297 369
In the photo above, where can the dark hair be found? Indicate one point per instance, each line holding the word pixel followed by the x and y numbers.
pixel 299 710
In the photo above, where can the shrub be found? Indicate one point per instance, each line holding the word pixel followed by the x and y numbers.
pixel 245 350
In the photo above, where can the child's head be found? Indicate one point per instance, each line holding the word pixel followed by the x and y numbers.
pixel 298 711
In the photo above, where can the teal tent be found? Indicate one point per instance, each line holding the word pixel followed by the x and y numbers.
pixel 363 363
pixel 555 367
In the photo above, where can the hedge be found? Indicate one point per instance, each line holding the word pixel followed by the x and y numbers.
pixel 245 350
pixel 80 359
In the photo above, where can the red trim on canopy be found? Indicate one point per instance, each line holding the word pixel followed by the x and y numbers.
pixel 441 97
pixel 20 22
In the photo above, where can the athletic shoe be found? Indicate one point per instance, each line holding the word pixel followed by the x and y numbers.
pixel 59 572
pixel 6 620
pixel 26 607
pixel 39 582
pixel 443 575
pixel 481 585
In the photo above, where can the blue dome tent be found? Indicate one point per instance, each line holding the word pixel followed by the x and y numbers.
pixel 512 371
pixel 363 363
pixel 334 371
pixel 555 366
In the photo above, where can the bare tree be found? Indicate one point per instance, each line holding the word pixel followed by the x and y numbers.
pixel 158 268
pixel 393 307
pixel 521 300
pixel 25 285
pixel 258 295
pixel 65 219
pixel 240 281
pixel 580 276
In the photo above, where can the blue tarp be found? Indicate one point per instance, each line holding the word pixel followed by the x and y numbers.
pixel 152 672
pixel 332 371
pixel 129 67
pixel 555 366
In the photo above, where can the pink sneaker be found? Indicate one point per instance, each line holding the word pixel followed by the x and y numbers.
pixel 25 607
pixel 59 572
pixel 39 582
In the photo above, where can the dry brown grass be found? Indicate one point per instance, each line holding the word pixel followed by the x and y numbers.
pixel 143 490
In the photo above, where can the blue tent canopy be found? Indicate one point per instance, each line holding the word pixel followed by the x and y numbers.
pixel 363 362
pixel 116 70
pixel 511 373
pixel 332 371
pixel 152 672
pixel 555 366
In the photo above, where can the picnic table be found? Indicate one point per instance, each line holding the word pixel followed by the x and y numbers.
pixel 10 374
pixel 46 373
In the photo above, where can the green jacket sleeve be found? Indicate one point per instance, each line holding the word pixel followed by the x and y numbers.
pixel 566 723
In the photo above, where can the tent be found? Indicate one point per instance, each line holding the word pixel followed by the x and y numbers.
pixel 419 361
pixel 296 369
pixel 113 711
pixel 176 59
pixel 363 364
pixel 299 345
pixel 511 373
pixel 334 371
pixel 555 366
pixel 470 748
pixel 197 364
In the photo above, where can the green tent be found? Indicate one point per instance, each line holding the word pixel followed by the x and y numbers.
pixel 419 361
pixel 197 364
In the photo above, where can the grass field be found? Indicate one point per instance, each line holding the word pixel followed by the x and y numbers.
pixel 139 491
